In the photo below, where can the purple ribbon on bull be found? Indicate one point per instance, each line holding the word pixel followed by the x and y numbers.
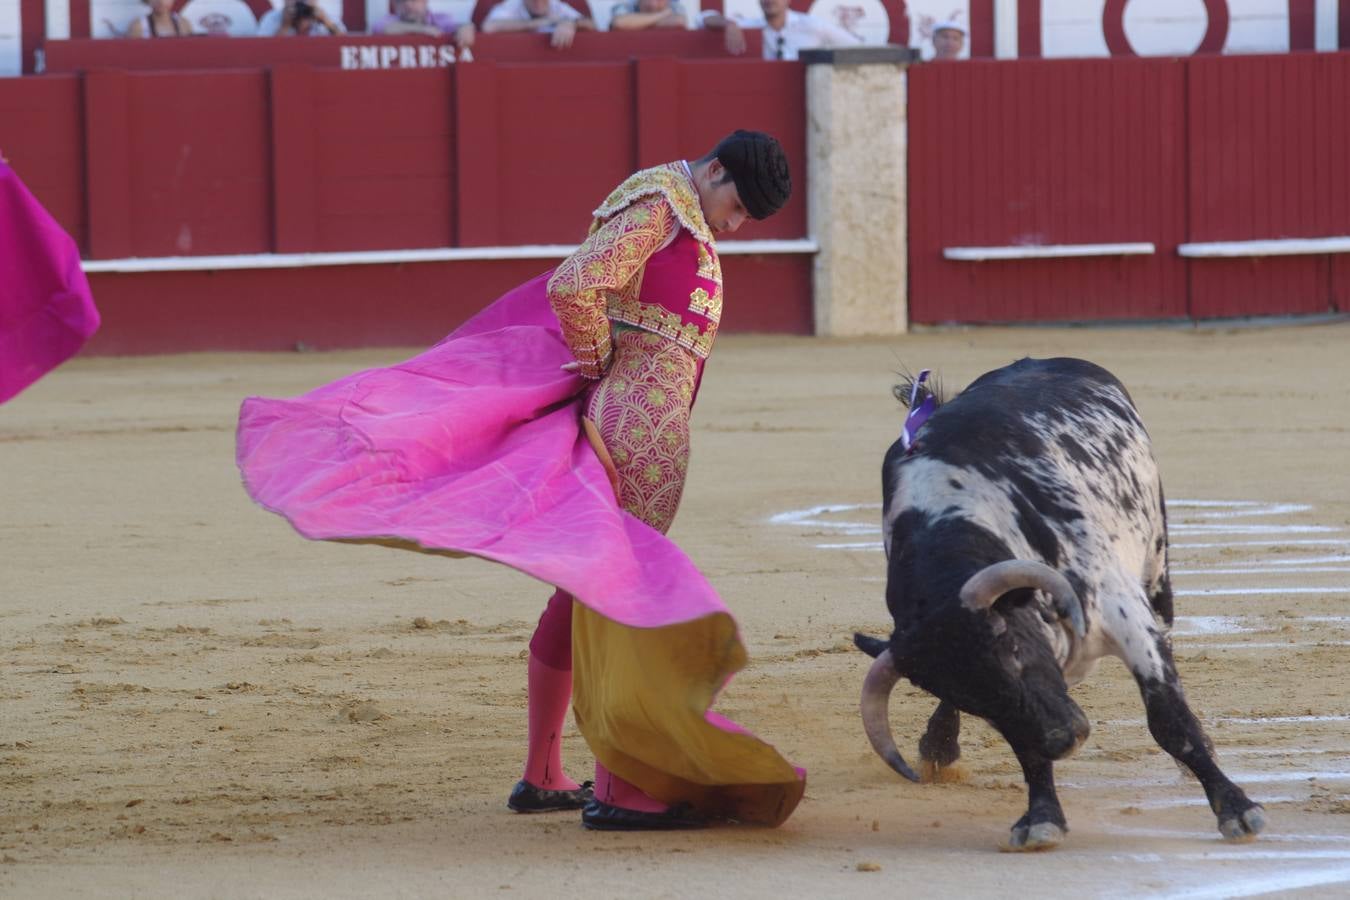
pixel 917 414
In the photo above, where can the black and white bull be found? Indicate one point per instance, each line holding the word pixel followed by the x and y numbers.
pixel 1026 538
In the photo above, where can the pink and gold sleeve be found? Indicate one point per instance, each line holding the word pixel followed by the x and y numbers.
pixel 613 254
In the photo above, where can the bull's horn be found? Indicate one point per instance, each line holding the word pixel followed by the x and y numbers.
pixel 876 698
pixel 992 582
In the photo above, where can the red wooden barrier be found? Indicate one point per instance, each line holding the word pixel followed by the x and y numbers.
pixel 1128 150
pixel 378 305
pixel 194 163
pixel 1046 152
pixel 384 166
pixel 1267 139
pixel 344 51
pixel 42 135
pixel 297 159
pixel 553 146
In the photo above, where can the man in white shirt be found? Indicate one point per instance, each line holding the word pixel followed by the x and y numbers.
pixel 786 31
pixel 552 17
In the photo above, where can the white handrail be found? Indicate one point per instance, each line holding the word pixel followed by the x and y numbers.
pixel 1272 247
pixel 376 257
pixel 1046 251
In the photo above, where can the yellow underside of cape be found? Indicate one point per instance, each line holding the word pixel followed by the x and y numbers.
pixel 639 695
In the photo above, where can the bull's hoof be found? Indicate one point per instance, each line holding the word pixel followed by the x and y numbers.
pixel 933 772
pixel 1243 828
pixel 1038 837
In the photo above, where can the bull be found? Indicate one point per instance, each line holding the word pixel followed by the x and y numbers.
pixel 1026 538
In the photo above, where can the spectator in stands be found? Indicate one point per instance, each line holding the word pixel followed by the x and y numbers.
pixel 161 22
pixel 415 17
pixel 299 17
pixel 634 15
pixel 786 31
pixel 949 39
pixel 552 17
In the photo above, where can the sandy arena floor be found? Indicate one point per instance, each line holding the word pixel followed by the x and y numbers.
pixel 195 702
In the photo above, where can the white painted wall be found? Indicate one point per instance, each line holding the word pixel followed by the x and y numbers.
pixel 1005 29
pixel 1257 26
pixel 1169 27
pixel 1072 28
pixel 1165 27
pixel 58 19
pixel 221 17
pixel 11 48
pixel 1068 27
pixel 865 18
pixel 1327 12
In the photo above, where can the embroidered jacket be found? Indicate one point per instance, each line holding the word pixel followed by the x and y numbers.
pixel 650 261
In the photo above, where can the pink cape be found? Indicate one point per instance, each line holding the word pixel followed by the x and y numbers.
pixel 475 447
pixel 46 309
pixel 472 447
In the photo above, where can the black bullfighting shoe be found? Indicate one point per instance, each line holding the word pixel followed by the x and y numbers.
pixel 526 798
pixel 599 816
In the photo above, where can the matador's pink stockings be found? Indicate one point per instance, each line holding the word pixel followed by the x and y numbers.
pixel 550 694
pixel 549 686
pixel 611 789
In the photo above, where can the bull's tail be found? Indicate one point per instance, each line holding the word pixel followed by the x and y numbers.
pixel 873 647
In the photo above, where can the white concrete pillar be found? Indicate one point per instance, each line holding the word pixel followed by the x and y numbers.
pixel 856 171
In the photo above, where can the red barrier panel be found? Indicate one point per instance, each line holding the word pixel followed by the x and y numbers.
pixel 331 307
pixel 1267 140
pixel 177 165
pixel 296 159
pixel 384 167
pixel 558 143
pixel 1048 152
pixel 359 51
pixel 42 136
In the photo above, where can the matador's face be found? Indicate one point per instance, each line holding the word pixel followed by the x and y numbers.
pixel 722 207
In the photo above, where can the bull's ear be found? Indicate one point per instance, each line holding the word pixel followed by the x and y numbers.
pixel 997 624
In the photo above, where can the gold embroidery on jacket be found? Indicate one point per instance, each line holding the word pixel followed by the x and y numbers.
pixel 642 412
pixel 602 280
pixel 703 304
pixel 707 265
pixel 669 181
pixel 659 320
pixel 607 264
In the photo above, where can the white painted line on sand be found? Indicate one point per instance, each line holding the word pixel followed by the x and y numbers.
pixel 1251 885
pixel 1246 720
pixel 1331 559
pixel 1259 645
pixel 1244 778
pixel 1176 802
pixel 1272 542
pixel 1330 591
pixel 1266 570
pixel 1236 508
pixel 1277 837
pixel 1184 528
pixel 1285 751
